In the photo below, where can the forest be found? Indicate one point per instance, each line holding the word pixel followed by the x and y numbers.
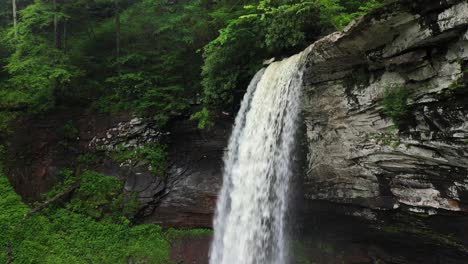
pixel 156 59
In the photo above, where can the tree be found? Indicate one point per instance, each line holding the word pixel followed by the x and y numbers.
pixel 15 19
pixel 117 31
pixel 36 67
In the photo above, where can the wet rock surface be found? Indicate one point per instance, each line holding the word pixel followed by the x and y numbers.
pixel 366 165
pixel 195 176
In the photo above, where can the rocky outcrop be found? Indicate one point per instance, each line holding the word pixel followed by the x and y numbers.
pixel 367 160
pixel 40 149
pixel 194 176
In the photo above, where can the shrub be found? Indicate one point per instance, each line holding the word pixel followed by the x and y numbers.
pixel 204 118
pixel 97 196
pixel 70 131
pixel 395 103
pixel 88 159
pixel 154 155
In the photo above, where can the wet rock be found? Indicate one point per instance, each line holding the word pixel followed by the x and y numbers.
pixel 195 174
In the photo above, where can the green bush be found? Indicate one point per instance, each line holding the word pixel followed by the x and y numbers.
pixel 231 60
pixel 12 210
pixel 98 195
pixel 66 237
pixel 88 159
pixel 66 180
pixel 154 154
pixel 395 103
pixel 203 118
pixel 70 131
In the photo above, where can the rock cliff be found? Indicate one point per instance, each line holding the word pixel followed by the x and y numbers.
pixel 386 110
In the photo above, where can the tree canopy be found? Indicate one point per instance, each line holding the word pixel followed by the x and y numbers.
pixel 152 57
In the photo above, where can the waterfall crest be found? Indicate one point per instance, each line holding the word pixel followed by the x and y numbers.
pixel 249 226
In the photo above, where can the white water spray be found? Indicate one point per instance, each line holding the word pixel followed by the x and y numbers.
pixel 249 226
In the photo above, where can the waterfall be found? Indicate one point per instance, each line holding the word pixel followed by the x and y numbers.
pixel 249 226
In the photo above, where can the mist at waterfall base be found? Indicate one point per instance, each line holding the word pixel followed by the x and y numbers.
pixel 252 209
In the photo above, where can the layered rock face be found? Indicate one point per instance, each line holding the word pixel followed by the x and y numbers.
pixel 403 174
pixel 194 175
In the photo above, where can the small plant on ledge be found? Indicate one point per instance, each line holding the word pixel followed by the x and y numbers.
pixel 395 103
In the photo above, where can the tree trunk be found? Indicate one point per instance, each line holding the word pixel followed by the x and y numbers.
pixel 57 32
pixel 64 36
pixel 9 252
pixel 41 207
pixel 117 33
pixel 15 18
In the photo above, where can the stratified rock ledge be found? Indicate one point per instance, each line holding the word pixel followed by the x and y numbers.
pixel 385 172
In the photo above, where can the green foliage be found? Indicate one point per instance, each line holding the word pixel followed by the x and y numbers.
pixel 88 160
pixel 456 85
pixel 203 118
pixel 12 210
pixel 36 69
pixel 97 196
pixel 70 131
pixel 66 179
pixel 157 73
pixel 155 155
pixel 387 139
pixel 131 205
pixel 395 102
pixel 268 29
pixel 231 59
pixel 288 26
pixel 341 13
pixel 6 118
pixel 157 69
pixel 59 235
pixel 66 237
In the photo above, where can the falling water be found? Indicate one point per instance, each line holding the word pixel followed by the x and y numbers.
pixel 249 226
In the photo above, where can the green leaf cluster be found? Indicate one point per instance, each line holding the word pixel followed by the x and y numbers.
pixel 153 154
pixel 395 103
